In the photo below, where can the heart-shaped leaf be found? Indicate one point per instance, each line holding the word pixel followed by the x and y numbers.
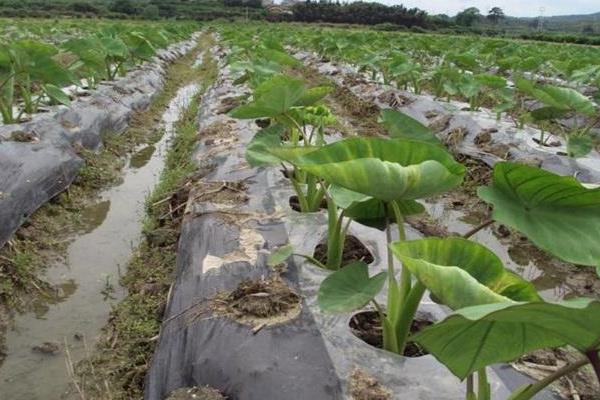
pixel 558 214
pixel 461 273
pixel 478 336
pixel 349 288
pixel 277 95
pixel 273 97
pixel 384 169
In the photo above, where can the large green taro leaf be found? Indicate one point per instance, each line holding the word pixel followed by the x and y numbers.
pixel 557 213
pixel 349 288
pixel 401 126
pixel 462 273
pixel 385 169
pixel 277 95
pixel 478 336
pixel 566 99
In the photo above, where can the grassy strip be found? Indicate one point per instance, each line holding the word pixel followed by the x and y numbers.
pixel 117 367
pixel 46 235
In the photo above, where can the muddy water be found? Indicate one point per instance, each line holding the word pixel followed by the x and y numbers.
pixel 87 282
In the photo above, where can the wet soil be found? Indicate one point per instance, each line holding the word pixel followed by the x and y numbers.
pixel 366 326
pixel 354 250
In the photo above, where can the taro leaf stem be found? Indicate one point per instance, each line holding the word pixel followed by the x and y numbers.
pixel 478 228
pixel 311 260
pixel 483 387
pixel 405 278
pixel 537 387
pixel 470 391
pixel 393 299
pixel 407 315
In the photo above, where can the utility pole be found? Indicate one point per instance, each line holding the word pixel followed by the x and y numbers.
pixel 541 19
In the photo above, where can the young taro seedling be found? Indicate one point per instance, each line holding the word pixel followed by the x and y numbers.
pixel 279 99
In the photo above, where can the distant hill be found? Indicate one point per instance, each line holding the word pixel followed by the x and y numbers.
pixel 575 18
pixel 578 23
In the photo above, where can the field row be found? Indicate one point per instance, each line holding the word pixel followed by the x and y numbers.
pixel 47 63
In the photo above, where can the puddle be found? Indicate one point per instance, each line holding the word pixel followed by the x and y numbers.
pixel 87 283
pixel 142 157
pixel 546 279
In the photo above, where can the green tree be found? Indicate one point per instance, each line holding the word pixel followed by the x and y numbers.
pixel 468 17
pixel 496 15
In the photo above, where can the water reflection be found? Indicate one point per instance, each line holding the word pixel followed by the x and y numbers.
pixel 141 158
pixel 93 216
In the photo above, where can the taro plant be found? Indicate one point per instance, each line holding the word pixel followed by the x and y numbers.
pixel 558 214
pixel 28 72
pixel 558 102
pixel 483 335
pixel 281 100
pixel 394 173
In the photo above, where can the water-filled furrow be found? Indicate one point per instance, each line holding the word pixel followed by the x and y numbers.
pixel 88 280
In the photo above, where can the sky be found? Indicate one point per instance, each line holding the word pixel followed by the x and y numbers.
pixel 516 8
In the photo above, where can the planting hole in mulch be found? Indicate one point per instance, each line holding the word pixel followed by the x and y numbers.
pixel 263 123
pixel 354 250
pixel 364 387
pixel 196 393
pixel 295 203
pixel 366 326
pixel 259 303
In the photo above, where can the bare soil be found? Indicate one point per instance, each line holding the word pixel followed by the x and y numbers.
pixel 354 250
pixel 366 326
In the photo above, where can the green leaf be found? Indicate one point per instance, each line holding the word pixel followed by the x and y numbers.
pixel 114 47
pixel 567 99
pixel 349 288
pixel 278 57
pixel 257 151
pixel 384 169
pixel 462 273
pixel 401 126
pixel 272 98
pixel 547 113
pixel 280 255
pixel 369 211
pixel 492 81
pixel 56 94
pixel 579 145
pixel 313 95
pixel 478 336
pixel 558 214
